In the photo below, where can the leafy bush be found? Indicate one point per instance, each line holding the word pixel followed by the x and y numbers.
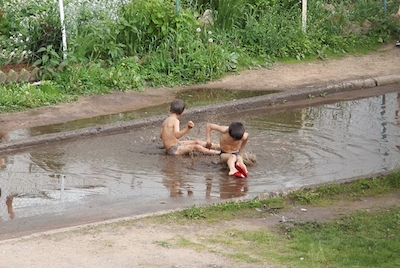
pixel 27 26
pixel 24 96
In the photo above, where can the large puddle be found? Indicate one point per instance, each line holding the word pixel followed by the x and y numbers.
pixel 127 174
pixel 192 97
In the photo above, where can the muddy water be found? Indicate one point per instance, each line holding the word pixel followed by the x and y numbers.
pixel 127 174
pixel 192 97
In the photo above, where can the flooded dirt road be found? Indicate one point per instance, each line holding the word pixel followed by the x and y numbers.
pixel 300 143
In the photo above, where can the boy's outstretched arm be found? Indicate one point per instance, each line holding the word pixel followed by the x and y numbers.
pixel 245 138
pixel 208 135
pixel 180 133
pixel 210 127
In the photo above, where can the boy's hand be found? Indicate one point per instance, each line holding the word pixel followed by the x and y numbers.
pixel 208 145
pixel 190 124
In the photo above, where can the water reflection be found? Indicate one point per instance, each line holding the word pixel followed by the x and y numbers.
pixel 397 114
pixel 233 187
pixel 127 173
pixel 7 211
pixel 174 176
pixel 192 97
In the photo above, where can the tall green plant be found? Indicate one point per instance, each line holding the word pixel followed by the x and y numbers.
pixel 31 25
pixel 145 24
pixel 95 42
pixel 93 31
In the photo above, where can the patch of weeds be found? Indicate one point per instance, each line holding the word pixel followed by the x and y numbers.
pixel 305 196
pixel 323 94
pixel 194 213
pixel 163 243
pixel 350 190
pixel 362 239
pixel 183 242
pixel 311 96
pixel 248 245
pixel 321 54
pixel 109 243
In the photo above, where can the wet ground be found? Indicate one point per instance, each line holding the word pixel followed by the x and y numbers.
pixel 316 140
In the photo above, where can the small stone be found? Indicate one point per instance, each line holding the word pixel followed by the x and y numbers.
pixel 34 75
pixel 24 75
pixel 3 78
pixel 12 76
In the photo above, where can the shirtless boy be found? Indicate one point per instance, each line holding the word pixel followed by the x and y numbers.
pixel 232 141
pixel 171 133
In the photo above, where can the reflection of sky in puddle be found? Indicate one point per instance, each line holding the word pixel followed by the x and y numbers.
pixel 129 174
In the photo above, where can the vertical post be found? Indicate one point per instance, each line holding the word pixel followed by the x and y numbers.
pixel 304 15
pixel 384 6
pixel 63 33
pixel 177 7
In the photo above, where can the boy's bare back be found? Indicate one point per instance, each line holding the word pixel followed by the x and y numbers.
pixel 168 130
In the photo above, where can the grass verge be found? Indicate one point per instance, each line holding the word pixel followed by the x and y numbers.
pixel 242 233
pixel 360 239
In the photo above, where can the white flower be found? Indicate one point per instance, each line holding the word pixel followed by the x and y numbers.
pixel 209 32
pixel 198 30
pixel 210 40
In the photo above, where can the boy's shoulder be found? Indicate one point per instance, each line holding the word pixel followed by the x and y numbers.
pixel 171 118
pixel 219 127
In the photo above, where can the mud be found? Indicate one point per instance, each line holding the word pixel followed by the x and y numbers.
pixel 322 94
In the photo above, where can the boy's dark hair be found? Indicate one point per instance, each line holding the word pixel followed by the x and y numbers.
pixel 236 130
pixel 177 106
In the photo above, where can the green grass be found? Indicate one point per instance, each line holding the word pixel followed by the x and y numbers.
pixel 350 191
pixel 360 239
pixel 123 45
pixel 26 96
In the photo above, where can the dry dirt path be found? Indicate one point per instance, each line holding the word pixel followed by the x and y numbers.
pixel 143 243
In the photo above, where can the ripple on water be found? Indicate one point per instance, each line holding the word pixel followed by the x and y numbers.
pixel 129 173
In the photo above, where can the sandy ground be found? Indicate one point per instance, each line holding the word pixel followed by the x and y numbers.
pixel 141 243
